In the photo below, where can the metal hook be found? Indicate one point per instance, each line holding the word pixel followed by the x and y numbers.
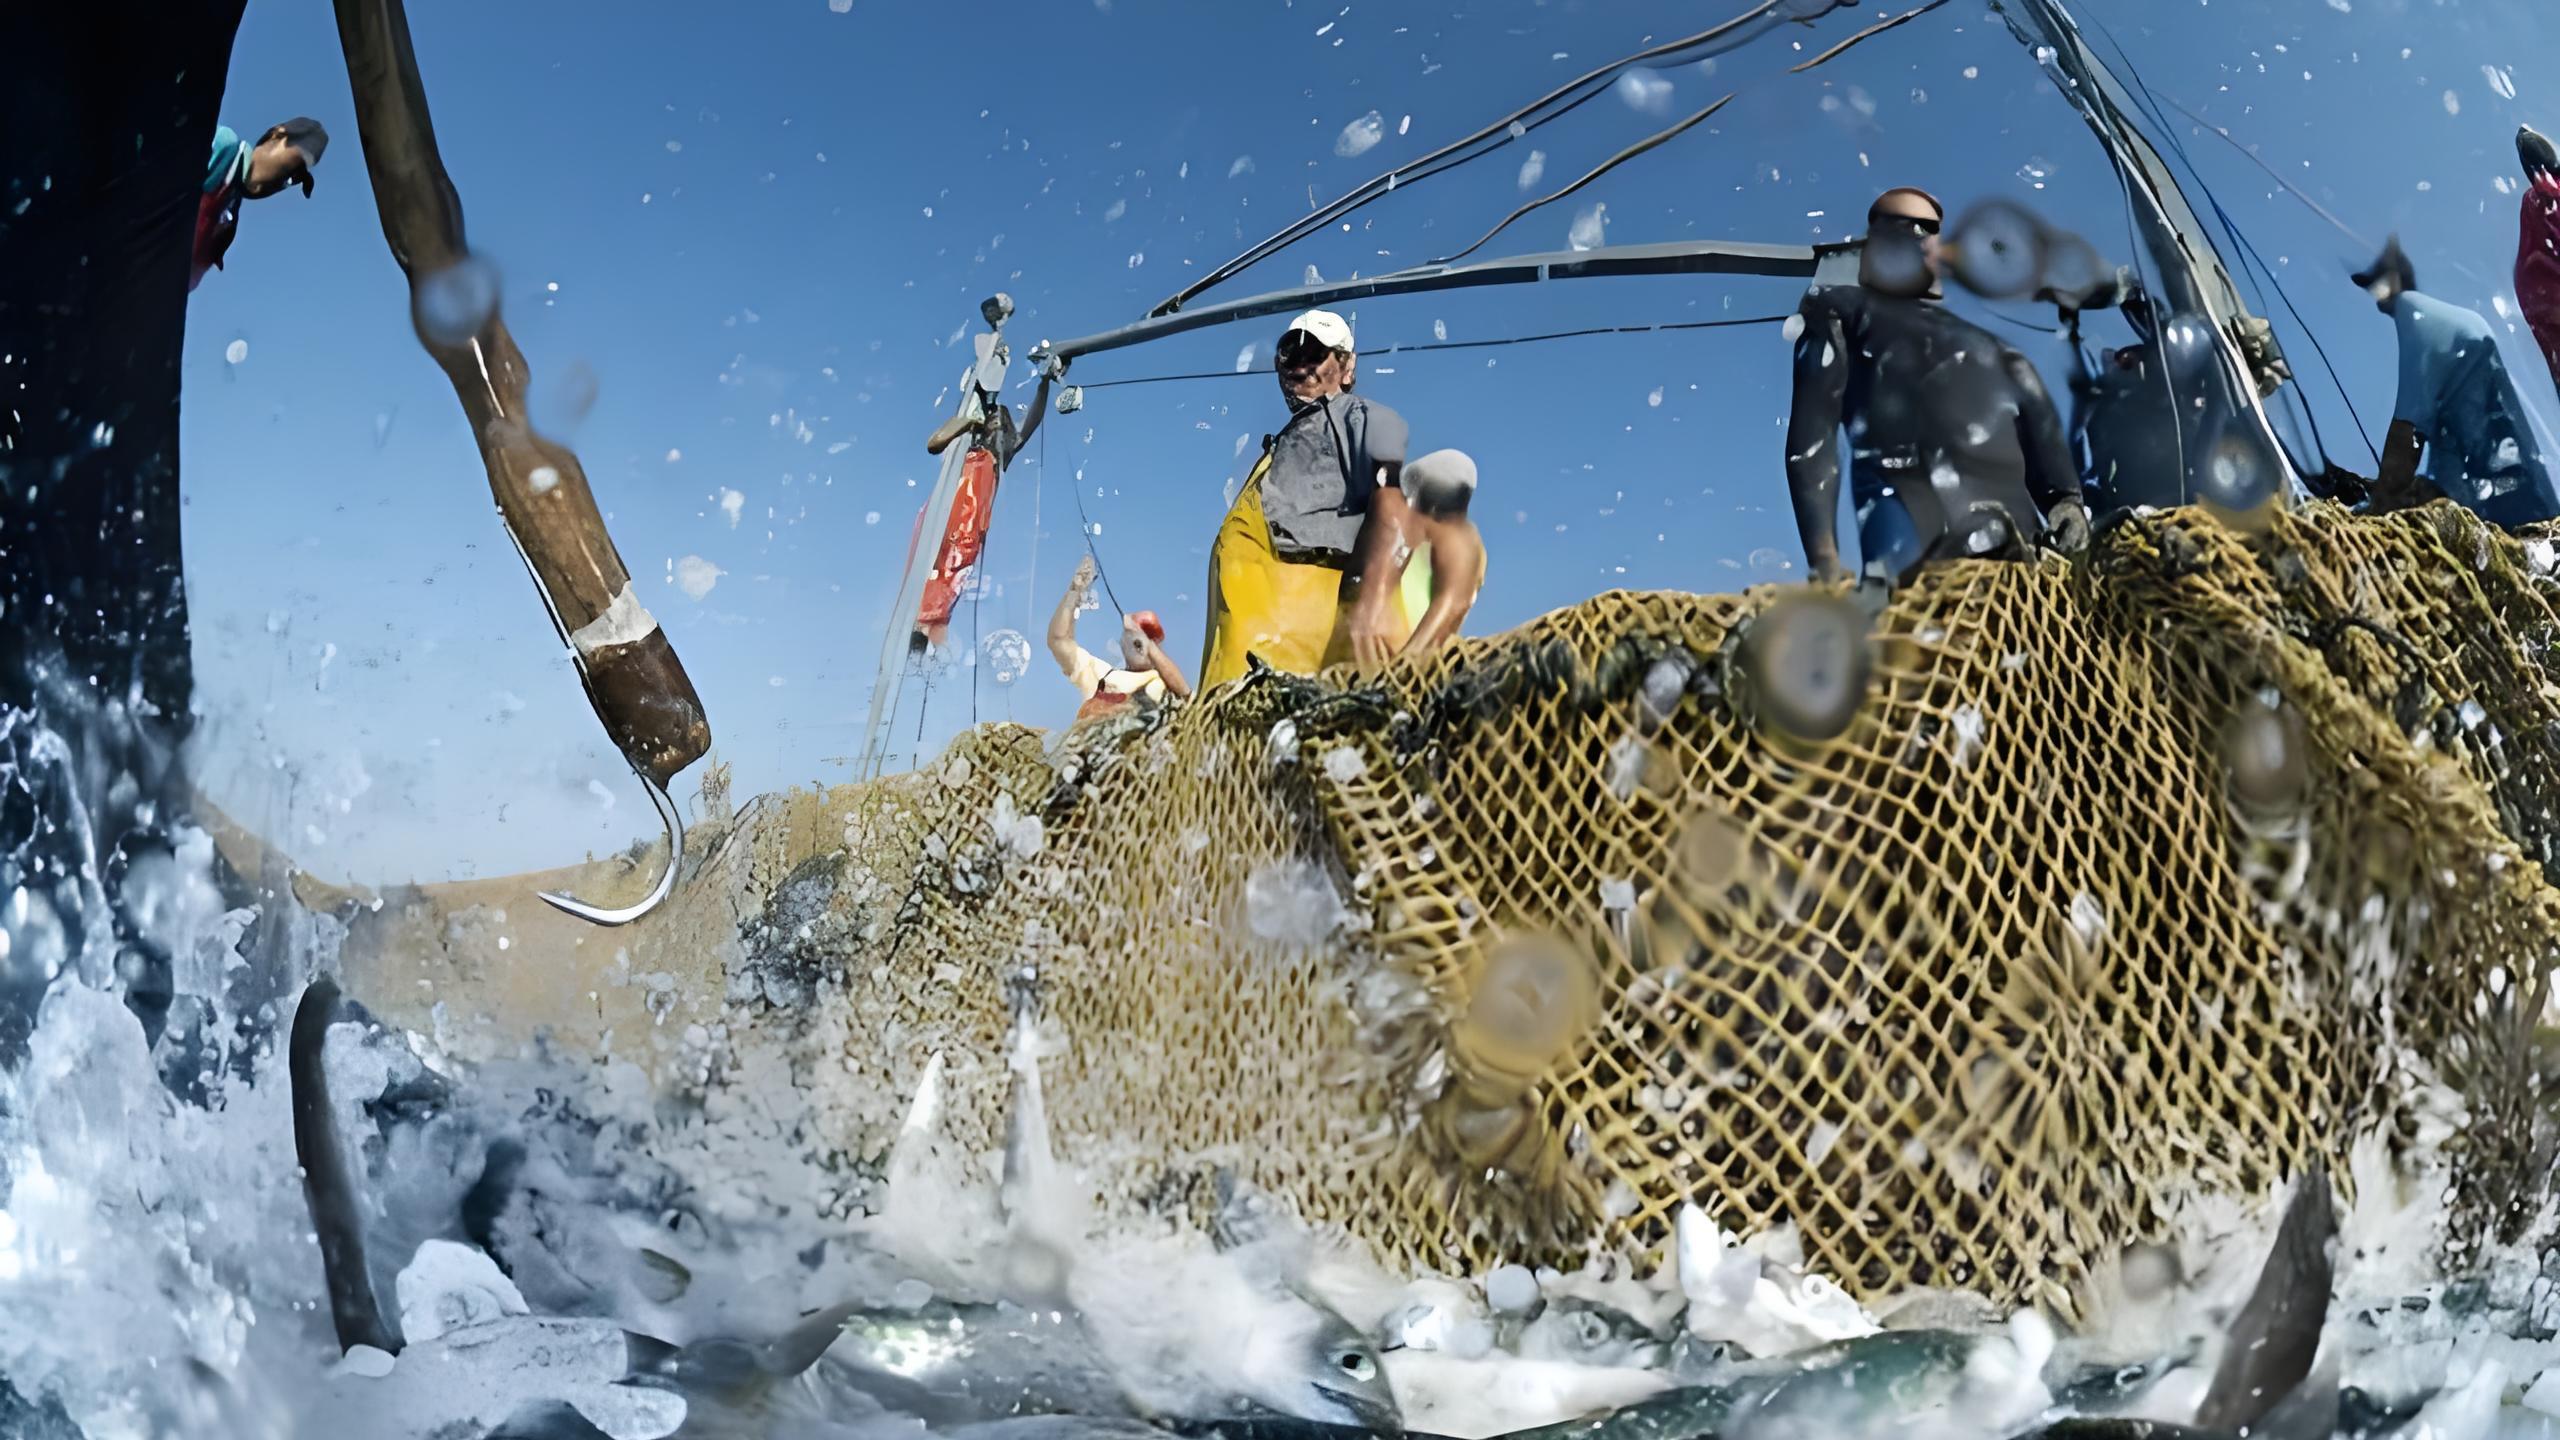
pixel 597 915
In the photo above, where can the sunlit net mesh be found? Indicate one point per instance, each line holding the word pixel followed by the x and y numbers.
pixel 1968 993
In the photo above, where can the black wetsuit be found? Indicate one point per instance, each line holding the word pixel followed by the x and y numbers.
pixel 1956 448
pixel 109 108
pixel 108 111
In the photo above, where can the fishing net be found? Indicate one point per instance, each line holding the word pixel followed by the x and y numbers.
pixel 2171 870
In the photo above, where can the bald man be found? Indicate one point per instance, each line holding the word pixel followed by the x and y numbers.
pixel 1448 565
pixel 1955 446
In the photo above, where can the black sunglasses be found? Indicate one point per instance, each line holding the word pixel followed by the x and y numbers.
pixel 1300 348
pixel 1913 223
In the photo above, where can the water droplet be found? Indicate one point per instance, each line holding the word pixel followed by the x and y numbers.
pixel 236 351
pixel 544 479
pixel 1654 399
pixel 2150 1270
pixel 1808 661
pixel 1511 1290
pixel 449 306
pixel 695 576
pixel 1645 92
pixel 1531 1002
pixel 561 405
pixel 1590 228
pixel 1533 168
pixel 1360 136
pixel 2267 757
pixel 1997 250
pixel 1006 655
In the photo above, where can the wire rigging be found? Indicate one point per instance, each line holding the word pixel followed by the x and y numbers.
pixel 1869 33
pixel 1381 354
pixel 1086 523
pixel 2251 258
pixel 1450 155
pixel 1604 167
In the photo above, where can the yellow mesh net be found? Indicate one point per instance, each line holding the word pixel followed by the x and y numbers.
pixel 2173 869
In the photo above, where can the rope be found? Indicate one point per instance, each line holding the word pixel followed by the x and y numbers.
pixel 1466 345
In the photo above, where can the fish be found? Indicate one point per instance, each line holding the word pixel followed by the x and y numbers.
pixel 328 1185
pixel 733 1370
pixel 548 1420
pixel 1141 1329
pixel 1740 1298
pixel 1501 1393
pixel 959 1364
pixel 2270 1382
pixel 1202 1334
pixel 1590 1332
pixel 2275 1338
pixel 1437 1315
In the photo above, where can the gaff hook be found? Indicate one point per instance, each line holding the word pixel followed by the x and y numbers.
pixel 597 915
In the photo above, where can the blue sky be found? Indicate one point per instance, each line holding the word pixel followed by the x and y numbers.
pixel 769 226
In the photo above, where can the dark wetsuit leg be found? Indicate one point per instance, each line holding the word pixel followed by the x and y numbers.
pixel 110 107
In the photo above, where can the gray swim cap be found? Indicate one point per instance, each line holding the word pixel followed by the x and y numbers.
pixel 1440 483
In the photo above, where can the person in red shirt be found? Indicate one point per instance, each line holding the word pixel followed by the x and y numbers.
pixel 2538 248
pixel 283 156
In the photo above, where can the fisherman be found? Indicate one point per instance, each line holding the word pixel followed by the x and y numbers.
pixel 1146 676
pixel 2538 248
pixel 1956 449
pixel 2456 403
pixel 1303 572
pixel 283 156
pixel 1448 551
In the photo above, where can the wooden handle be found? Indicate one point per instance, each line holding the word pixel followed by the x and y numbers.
pixel 632 677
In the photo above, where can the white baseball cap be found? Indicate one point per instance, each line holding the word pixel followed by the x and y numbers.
pixel 1326 326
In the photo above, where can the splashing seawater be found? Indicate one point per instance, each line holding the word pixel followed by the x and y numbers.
pixel 554 1251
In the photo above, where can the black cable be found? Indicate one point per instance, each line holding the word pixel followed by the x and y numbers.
pixel 1869 33
pixel 2296 191
pixel 2249 250
pixel 1604 167
pixel 1661 136
pixel 1076 488
pixel 1467 345
pixel 1430 164
pixel 2029 325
